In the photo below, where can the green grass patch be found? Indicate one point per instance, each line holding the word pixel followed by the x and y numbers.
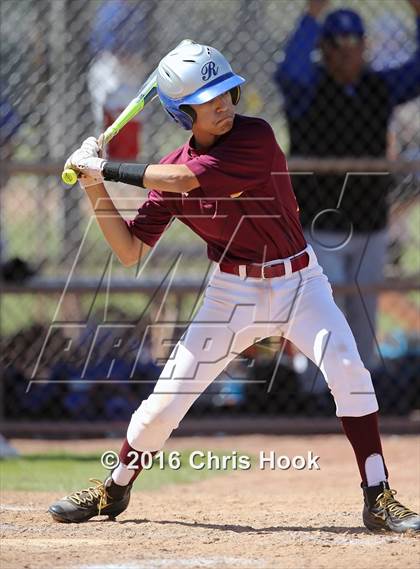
pixel 64 473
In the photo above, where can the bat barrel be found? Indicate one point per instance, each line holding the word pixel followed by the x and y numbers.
pixel 147 93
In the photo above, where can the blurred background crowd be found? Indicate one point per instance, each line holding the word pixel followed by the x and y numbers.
pixel 339 81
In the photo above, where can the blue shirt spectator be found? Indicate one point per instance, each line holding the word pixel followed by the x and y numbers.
pixel 341 108
pixel 298 75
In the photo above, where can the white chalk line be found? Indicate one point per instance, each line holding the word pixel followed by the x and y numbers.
pixel 205 562
pixel 13 508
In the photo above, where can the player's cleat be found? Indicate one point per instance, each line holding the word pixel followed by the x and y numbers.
pixel 104 499
pixel 383 512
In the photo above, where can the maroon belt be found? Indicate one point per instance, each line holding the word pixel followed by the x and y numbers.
pixel 268 272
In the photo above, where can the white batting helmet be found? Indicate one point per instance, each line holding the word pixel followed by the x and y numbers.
pixel 194 74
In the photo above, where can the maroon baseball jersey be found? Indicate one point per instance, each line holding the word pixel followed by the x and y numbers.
pixel 260 224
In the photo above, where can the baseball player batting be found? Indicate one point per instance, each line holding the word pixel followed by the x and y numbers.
pixel 230 184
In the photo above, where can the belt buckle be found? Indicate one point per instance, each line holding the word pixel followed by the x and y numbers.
pixel 262 272
pixel 265 266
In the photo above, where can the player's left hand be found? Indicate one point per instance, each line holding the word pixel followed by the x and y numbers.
pixel 86 161
pixel 91 171
pixel 88 149
pixel 415 4
pixel 88 165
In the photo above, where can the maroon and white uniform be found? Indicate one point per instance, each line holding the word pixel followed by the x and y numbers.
pixel 246 212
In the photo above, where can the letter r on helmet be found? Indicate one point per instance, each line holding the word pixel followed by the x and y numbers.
pixel 209 70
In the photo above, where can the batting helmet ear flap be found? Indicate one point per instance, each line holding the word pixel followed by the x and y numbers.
pixel 189 111
pixel 235 93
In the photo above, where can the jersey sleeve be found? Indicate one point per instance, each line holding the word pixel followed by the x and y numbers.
pixel 152 219
pixel 244 163
pixel 297 75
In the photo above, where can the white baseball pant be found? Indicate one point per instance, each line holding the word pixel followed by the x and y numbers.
pixel 236 312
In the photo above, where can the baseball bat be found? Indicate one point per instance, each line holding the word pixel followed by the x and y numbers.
pixel 147 93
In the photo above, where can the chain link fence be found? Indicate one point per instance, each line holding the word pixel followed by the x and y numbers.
pixel 68 67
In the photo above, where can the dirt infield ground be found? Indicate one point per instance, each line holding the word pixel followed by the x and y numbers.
pixel 245 519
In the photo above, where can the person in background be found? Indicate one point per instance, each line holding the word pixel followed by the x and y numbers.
pixel 12 269
pixel 118 45
pixel 342 108
pixel 391 45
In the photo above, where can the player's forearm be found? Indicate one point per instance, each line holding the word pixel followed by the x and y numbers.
pixel 176 178
pixel 128 248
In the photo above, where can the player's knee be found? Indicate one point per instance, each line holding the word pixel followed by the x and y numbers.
pixel 348 366
pixel 352 389
pixel 158 410
pixel 343 372
pixel 340 359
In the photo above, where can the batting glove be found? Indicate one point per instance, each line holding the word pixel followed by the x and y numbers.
pixel 88 149
pixel 90 170
pixel 86 161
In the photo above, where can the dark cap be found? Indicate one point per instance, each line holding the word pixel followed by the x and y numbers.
pixel 343 22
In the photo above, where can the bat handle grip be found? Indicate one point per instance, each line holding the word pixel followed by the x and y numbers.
pixel 70 176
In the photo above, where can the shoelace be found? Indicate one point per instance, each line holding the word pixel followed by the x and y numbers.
pixel 387 501
pixel 89 495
